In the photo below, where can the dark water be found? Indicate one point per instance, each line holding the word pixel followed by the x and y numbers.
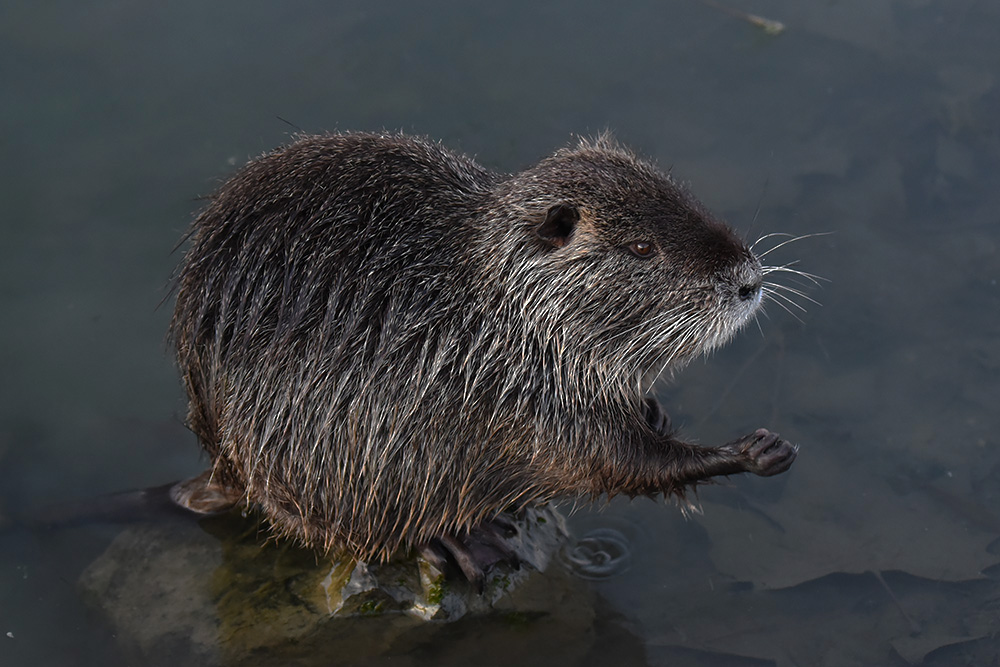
pixel 877 120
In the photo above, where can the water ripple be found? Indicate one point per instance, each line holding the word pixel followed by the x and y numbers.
pixel 599 554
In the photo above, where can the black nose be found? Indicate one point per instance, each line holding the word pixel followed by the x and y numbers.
pixel 749 291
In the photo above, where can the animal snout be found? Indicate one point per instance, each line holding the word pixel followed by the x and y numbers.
pixel 750 289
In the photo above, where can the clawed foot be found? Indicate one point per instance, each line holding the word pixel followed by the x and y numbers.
pixel 763 453
pixel 203 495
pixel 474 552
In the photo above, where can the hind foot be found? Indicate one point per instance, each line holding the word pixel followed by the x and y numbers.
pixel 203 495
pixel 763 453
pixel 475 552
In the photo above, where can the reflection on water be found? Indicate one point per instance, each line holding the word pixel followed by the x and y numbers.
pixel 878 121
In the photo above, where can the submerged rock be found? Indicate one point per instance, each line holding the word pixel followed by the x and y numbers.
pixel 174 593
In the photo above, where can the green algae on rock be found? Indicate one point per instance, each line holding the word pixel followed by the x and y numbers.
pixel 226 595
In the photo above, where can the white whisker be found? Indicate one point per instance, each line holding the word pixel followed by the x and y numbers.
pixel 786 268
pixel 792 290
pixel 787 309
pixel 785 298
pixel 792 240
pixel 768 236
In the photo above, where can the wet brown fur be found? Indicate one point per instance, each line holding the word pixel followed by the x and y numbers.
pixel 384 343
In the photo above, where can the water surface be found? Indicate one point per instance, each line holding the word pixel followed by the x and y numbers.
pixel 877 120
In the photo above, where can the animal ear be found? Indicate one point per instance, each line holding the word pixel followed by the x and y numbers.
pixel 560 221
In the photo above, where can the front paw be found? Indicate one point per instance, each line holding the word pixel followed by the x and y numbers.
pixel 764 453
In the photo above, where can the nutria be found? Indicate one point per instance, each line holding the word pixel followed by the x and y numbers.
pixel 386 345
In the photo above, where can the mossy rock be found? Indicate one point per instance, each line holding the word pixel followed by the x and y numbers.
pixel 174 592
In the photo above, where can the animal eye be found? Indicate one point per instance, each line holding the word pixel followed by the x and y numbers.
pixel 641 249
